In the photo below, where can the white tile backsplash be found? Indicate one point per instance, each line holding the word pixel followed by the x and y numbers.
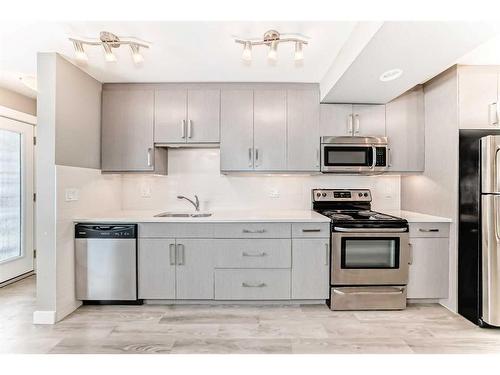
pixel 196 171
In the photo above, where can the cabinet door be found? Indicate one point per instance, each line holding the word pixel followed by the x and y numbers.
pixel 303 130
pixel 127 130
pixel 310 268
pixel 478 96
pixel 428 277
pixel 406 132
pixel 171 116
pixel 195 269
pixel 203 116
pixel 369 120
pixel 156 269
pixel 236 138
pixel 336 120
pixel 270 130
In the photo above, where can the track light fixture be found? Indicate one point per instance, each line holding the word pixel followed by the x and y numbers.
pixel 271 39
pixel 108 41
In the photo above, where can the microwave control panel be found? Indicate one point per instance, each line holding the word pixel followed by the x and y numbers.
pixel 381 157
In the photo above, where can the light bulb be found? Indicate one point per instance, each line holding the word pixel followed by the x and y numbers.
pixel 108 54
pixel 299 53
pixel 273 51
pixel 247 52
pixel 79 51
pixel 136 55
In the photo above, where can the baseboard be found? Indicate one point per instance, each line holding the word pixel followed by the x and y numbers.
pixel 422 300
pixel 234 302
pixel 18 278
pixel 44 317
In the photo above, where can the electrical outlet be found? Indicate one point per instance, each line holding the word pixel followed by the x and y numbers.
pixel 72 194
pixel 145 191
pixel 274 193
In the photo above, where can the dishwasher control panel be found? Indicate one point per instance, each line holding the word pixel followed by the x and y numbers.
pixel 105 231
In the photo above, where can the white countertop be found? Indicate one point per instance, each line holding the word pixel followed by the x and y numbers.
pixel 417 217
pixel 218 216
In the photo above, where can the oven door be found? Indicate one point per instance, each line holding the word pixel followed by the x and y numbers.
pixel 362 257
pixel 347 158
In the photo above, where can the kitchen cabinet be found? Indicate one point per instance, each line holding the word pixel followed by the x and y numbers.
pixel 175 269
pixel 303 142
pixel 352 120
pixel 405 129
pixel 429 261
pixel 270 130
pixel 236 145
pixel 310 268
pixel 127 133
pixel 478 97
pixel 187 116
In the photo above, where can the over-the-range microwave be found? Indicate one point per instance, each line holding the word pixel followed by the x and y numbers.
pixel 354 154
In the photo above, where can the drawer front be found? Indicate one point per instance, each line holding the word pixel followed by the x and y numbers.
pixel 252 284
pixel 253 253
pixel 253 230
pixel 321 230
pixel 429 230
pixel 176 230
pixel 368 298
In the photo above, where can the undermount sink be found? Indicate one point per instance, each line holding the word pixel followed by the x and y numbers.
pixel 184 214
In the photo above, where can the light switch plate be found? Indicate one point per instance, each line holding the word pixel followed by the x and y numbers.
pixel 274 193
pixel 145 191
pixel 72 194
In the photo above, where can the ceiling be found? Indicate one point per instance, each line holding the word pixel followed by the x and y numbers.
pixel 180 51
pixel 421 49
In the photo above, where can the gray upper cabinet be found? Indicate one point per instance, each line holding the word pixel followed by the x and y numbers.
pixel 478 97
pixel 368 120
pixel 352 120
pixel 127 132
pixel 303 130
pixel 406 132
pixel 187 116
pixel 236 144
pixel 336 120
pixel 270 130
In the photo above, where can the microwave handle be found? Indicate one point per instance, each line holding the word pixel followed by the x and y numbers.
pixel 374 157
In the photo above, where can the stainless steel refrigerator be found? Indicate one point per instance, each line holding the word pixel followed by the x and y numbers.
pixel 490 230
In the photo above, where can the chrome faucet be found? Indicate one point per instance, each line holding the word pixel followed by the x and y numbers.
pixel 196 204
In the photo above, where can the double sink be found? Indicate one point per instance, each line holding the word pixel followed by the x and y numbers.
pixel 184 214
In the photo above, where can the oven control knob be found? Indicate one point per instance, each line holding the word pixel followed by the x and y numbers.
pixel 366 194
pixel 360 194
pixel 324 194
pixel 318 195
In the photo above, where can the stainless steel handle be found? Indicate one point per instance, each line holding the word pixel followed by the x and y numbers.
pixel 356 124
pixel 251 285
pixel 172 254
pixel 327 254
pixel 410 254
pixel 180 255
pixel 183 129
pixel 246 254
pixel 428 230
pixel 376 230
pixel 256 157
pixel 389 157
pixel 254 231
pixel 311 230
pixel 374 157
pixel 495 116
pixel 250 152
pixel 367 292
pixel 150 159
pixel 190 128
pixel 350 121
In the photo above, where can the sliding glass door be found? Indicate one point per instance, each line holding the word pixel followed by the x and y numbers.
pixel 16 198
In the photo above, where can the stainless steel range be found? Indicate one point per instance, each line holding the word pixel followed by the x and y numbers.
pixel 369 252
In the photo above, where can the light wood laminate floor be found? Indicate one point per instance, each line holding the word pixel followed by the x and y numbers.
pixel 279 329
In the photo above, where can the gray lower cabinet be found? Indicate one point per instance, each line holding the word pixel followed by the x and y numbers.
pixel 405 126
pixel 303 143
pixel 175 269
pixel 127 132
pixel 310 268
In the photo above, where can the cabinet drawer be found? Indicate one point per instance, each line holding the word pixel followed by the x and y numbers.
pixel 253 253
pixel 429 230
pixel 253 230
pixel 252 284
pixel 179 230
pixel 311 230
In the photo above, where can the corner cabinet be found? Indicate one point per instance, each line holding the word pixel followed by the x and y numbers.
pixel 127 133
pixel 270 130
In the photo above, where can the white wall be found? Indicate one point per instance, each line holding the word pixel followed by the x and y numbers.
pixel 98 193
pixel 196 171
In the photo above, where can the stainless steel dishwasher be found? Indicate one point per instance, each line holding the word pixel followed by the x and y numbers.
pixel 106 262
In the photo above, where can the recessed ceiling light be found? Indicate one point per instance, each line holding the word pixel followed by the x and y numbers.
pixel 391 75
pixel 29 81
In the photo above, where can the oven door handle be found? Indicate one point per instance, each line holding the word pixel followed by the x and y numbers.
pixel 369 292
pixel 376 230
